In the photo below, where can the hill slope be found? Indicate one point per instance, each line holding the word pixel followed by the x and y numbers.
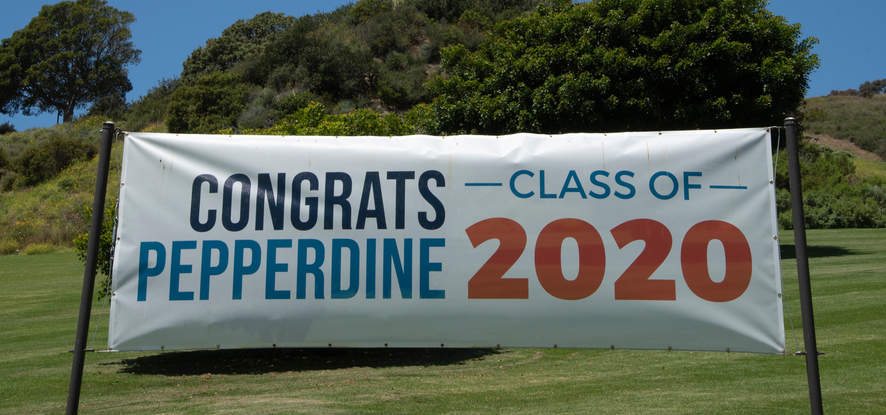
pixel 859 120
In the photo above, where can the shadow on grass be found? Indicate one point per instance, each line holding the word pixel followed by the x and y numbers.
pixel 258 361
pixel 815 251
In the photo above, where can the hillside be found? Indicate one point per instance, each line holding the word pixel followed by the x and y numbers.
pixel 856 119
pixel 49 206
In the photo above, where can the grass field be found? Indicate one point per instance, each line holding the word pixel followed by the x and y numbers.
pixel 39 295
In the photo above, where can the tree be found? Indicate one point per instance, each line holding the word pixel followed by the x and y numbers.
pixel 207 103
pixel 627 65
pixel 241 41
pixel 6 128
pixel 71 54
pixel 871 88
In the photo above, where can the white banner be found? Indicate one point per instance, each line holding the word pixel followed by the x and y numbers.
pixel 633 240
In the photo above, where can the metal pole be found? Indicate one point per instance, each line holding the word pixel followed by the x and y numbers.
pixel 812 375
pixel 98 210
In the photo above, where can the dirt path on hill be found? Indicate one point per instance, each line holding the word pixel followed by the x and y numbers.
pixel 843 145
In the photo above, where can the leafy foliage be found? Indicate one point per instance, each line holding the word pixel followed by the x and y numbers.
pixel 375 54
pixel 315 119
pixel 867 89
pixel 871 88
pixel 112 106
pixel 209 103
pixel 104 259
pixel 241 41
pixel 834 196
pixel 40 163
pixel 72 53
pixel 37 155
pixel 7 128
pixel 53 212
pixel 152 108
pixel 612 65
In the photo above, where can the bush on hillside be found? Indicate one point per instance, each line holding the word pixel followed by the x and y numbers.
pixel 266 107
pixel 44 161
pixel 7 128
pixel 151 108
pixel 207 104
pixel 111 106
pixel 315 119
pixel 243 40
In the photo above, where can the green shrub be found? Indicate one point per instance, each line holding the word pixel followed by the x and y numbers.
pixel 315 119
pixel 10 179
pixel 259 112
pixel 105 243
pixel 39 249
pixel 207 104
pixel 834 196
pixel 151 108
pixel 8 246
pixel 291 102
pixel 44 161
pixel 52 212
pixel 109 106
pixel 6 128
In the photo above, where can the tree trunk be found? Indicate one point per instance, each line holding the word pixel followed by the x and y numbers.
pixel 68 112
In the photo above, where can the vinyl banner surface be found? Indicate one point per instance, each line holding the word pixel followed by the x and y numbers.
pixel 633 240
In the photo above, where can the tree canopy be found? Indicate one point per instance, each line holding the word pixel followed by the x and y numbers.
pixel 242 40
pixel 613 65
pixel 72 53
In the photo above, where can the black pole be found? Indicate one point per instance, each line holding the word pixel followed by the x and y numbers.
pixel 98 210
pixel 812 375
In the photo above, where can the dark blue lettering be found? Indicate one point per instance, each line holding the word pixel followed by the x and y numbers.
pixel 372 189
pixel 331 200
pixel 276 201
pixel 195 203
pixel 439 210
pixel 227 201
pixel 310 202
pixel 400 178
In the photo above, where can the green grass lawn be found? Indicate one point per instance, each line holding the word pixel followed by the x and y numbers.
pixel 39 296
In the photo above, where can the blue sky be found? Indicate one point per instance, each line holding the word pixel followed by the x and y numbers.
pixel 168 30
